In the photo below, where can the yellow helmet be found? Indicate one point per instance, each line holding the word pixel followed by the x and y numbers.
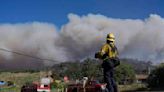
pixel 110 37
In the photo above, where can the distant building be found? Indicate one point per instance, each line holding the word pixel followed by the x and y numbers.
pixel 141 78
pixel 126 81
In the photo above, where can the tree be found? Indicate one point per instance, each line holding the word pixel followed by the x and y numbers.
pixel 91 68
pixel 156 77
pixel 70 69
pixel 124 72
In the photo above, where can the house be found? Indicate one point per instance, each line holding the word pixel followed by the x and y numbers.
pixel 141 78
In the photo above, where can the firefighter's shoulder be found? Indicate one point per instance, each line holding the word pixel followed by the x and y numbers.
pixel 105 46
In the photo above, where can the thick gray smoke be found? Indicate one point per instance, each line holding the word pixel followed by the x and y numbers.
pixel 81 37
pixel 139 39
pixel 33 39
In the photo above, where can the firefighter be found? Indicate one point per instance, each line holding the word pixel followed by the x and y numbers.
pixel 109 55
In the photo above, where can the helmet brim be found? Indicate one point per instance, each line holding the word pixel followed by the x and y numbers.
pixel 111 39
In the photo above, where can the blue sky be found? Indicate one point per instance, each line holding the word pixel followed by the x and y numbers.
pixel 56 11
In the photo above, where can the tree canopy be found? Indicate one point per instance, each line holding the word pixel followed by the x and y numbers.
pixel 156 78
pixel 91 68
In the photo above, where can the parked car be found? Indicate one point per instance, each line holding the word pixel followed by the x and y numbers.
pixel 2 83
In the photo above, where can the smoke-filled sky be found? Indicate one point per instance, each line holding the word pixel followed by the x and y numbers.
pixel 62 30
pixel 81 37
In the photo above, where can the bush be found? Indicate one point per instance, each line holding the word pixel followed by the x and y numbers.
pixel 156 78
pixel 124 74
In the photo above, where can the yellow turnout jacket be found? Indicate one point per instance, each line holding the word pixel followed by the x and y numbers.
pixel 109 50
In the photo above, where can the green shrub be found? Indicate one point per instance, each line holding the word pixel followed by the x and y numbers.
pixel 156 78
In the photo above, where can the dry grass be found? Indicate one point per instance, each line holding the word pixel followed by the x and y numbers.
pixel 19 79
pixel 132 88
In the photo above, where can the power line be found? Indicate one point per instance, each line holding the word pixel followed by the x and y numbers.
pixel 18 53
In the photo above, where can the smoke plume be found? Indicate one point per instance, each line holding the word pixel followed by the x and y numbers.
pixel 81 37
